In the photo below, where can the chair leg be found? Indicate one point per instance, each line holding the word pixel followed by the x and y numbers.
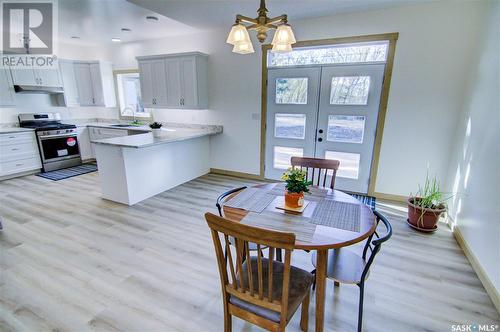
pixel 304 315
pixel 228 322
pixel 360 312
pixel 313 272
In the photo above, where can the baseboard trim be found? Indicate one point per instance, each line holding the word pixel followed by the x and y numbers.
pixel 476 266
pixel 390 197
pixel 236 174
pixel 18 175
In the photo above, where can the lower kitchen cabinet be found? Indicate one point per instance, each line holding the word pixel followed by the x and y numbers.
pixel 18 153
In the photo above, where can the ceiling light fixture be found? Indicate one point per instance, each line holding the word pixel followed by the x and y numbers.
pixel 152 18
pixel 116 40
pixel 240 39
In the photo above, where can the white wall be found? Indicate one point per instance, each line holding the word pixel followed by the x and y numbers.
pixel 32 103
pixel 436 45
pixel 474 173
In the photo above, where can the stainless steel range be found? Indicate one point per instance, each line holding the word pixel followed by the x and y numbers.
pixel 58 142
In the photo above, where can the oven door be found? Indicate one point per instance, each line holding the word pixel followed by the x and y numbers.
pixel 59 147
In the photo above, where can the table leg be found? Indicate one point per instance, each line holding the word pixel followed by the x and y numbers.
pixel 321 262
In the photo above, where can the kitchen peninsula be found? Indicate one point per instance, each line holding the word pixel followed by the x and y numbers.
pixel 136 167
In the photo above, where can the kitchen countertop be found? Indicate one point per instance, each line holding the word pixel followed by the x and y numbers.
pixel 169 135
pixel 110 126
pixel 10 130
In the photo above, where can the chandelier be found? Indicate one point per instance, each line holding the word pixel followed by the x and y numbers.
pixel 240 39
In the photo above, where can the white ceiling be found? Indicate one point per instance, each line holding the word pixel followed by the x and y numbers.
pixel 97 21
pixel 205 14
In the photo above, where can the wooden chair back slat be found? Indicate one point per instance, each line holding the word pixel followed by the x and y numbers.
pixel 239 262
pixel 243 289
pixel 322 165
pixel 230 259
pixel 249 268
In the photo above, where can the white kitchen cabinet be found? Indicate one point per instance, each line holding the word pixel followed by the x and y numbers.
pixel 154 88
pixel 36 77
pixel 7 94
pixel 70 96
pixel 174 80
pixel 18 153
pixel 95 85
pixel 83 138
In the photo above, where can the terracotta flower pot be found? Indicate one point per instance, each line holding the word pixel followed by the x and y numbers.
pixel 294 200
pixel 423 219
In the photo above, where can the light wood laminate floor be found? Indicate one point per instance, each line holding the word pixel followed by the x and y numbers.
pixel 71 261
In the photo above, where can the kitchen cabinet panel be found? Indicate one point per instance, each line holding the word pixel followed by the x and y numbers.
pixel 7 94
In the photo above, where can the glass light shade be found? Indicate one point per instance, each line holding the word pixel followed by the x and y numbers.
pixel 281 48
pixel 238 34
pixel 243 48
pixel 284 35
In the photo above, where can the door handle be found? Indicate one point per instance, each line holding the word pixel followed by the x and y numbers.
pixel 320 131
pixel 320 139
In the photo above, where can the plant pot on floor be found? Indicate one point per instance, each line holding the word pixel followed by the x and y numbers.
pixel 424 219
pixel 294 200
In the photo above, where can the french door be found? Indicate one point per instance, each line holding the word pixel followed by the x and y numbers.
pixel 324 112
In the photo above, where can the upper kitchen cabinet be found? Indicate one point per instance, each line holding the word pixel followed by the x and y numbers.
pixel 174 80
pixel 70 96
pixel 153 80
pixel 36 77
pixel 94 83
pixel 7 97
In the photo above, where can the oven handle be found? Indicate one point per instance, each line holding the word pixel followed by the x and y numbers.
pixel 57 136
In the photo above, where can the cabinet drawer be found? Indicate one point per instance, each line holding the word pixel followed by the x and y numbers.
pixel 18 151
pixel 18 166
pixel 17 138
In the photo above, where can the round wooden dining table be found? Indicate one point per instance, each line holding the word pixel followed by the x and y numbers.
pixel 309 236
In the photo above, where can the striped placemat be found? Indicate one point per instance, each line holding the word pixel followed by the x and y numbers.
pixel 337 214
pixel 251 199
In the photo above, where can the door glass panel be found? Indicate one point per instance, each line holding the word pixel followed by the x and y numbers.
pixel 350 90
pixel 291 90
pixel 283 155
pixel 289 125
pixel 349 163
pixel 346 128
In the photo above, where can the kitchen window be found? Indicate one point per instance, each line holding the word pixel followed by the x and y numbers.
pixel 129 95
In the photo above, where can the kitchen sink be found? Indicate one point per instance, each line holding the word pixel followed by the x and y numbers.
pixel 122 125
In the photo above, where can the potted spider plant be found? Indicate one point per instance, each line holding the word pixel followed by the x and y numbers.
pixel 156 128
pixel 296 186
pixel 426 206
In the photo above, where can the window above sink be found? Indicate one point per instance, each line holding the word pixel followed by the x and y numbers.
pixel 129 96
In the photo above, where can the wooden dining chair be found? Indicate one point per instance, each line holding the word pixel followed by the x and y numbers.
pixel 345 266
pixel 317 169
pixel 259 290
pixel 220 203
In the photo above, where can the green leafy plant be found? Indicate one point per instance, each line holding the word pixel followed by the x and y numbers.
pixel 429 196
pixel 296 181
pixel 136 123
pixel 155 125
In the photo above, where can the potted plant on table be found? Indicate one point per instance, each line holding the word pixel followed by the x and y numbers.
pixel 426 206
pixel 296 186
pixel 156 128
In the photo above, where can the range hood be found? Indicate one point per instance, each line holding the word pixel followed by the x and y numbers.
pixel 38 89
